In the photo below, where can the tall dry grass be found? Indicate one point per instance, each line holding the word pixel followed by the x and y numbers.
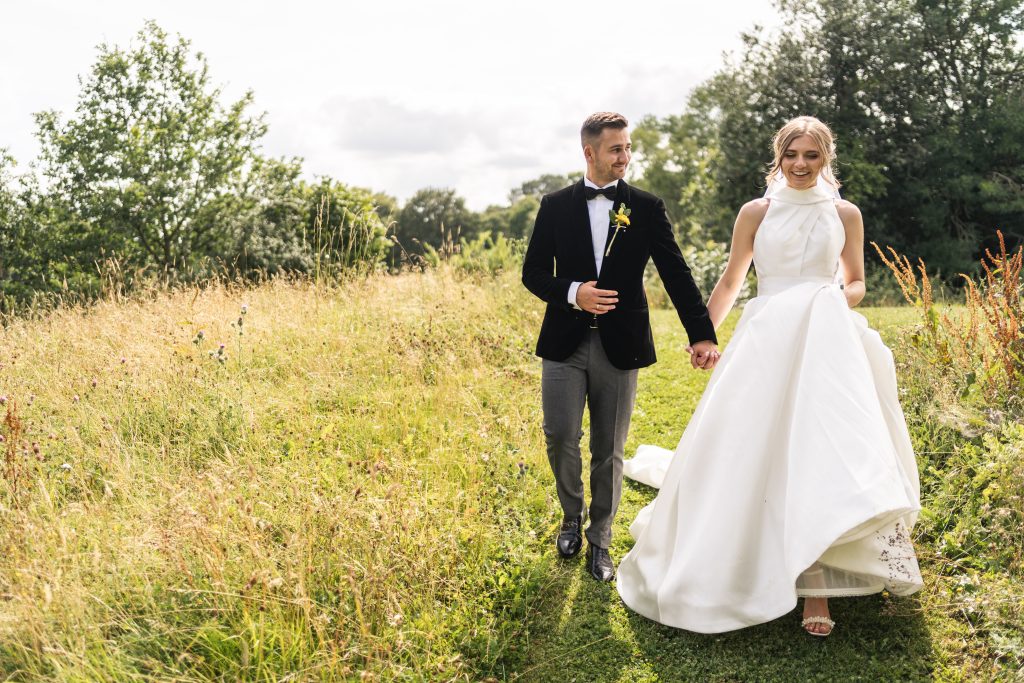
pixel 339 483
pixel 984 350
pixel 961 375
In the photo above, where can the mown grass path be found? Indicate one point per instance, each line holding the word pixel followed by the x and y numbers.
pixel 584 632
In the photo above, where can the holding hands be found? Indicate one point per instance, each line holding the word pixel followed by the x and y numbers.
pixel 704 355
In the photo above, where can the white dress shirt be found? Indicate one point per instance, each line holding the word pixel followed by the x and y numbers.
pixel 598 208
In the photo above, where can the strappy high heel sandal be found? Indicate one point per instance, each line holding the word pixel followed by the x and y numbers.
pixel 807 621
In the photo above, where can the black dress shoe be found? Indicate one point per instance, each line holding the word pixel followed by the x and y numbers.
pixel 570 537
pixel 599 563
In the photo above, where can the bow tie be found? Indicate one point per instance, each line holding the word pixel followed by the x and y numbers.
pixel 606 192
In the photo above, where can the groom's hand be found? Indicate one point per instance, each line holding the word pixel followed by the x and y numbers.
pixel 594 300
pixel 704 355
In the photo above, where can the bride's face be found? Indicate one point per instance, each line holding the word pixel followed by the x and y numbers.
pixel 802 163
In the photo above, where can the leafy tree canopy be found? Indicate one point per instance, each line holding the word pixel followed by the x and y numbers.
pixel 433 216
pixel 149 154
pixel 923 96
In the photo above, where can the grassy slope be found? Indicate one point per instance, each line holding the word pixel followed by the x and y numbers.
pixel 341 499
pixel 358 493
pixel 591 636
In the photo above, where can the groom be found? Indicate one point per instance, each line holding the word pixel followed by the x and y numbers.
pixel 589 268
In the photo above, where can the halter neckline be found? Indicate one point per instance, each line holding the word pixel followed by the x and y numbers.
pixel 821 192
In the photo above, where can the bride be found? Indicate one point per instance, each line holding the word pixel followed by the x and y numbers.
pixel 795 476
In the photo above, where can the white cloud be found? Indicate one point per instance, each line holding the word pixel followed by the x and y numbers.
pixel 389 128
pixel 397 95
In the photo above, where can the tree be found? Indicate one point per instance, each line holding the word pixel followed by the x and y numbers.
pixel 432 216
pixel 920 93
pixel 149 155
pixel 280 223
pixel 346 226
pixel 29 256
pixel 514 221
pixel 1001 190
pixel 386 207
pixel 266 216
pixel 542 185
pixel 675 156
pixel 9 210
pixel 12 226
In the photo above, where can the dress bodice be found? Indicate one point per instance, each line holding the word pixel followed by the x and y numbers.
pixel 799 239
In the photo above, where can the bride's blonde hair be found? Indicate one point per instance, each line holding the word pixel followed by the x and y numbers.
pixel 823 139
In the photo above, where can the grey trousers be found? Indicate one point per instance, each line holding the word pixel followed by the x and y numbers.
pixel 587 376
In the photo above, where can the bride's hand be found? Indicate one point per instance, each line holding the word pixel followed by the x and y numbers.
pixel 703 355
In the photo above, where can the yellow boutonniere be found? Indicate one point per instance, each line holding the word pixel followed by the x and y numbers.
pixel 620 220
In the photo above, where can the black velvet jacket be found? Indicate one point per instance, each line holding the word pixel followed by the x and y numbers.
pixel 561 252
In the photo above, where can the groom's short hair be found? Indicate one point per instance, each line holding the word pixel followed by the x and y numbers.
pixel 597 122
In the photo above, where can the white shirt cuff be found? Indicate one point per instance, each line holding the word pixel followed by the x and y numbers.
pixel 572 294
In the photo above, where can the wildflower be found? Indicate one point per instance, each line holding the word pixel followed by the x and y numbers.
pixel 66 467
pixel 221 355
pixel 3 400
pixel 485 457
pixel 75 398
pixel 245 308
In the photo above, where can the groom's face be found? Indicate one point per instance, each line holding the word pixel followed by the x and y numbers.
pixel 608 155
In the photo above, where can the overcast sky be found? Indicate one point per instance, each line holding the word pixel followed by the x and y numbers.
pixel 397 95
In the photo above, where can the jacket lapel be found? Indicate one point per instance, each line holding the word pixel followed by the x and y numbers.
pixel 580 220
pixel 622 196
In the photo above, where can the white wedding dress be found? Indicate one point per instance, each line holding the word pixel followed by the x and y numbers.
pixel 795 475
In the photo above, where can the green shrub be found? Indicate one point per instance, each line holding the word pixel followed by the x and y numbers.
pixel 489 254
pixel 707 263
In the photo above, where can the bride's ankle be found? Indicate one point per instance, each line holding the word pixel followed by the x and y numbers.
pixel 816 604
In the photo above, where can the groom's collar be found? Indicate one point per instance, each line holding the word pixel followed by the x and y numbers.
pixel 590 183
pixel 621 191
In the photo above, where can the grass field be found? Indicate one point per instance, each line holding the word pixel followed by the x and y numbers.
pixel 587 629
pixel 353 487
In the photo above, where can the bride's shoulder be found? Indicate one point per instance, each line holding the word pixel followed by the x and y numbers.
pixel 748 220
pixel 848 212
pixel 754 210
